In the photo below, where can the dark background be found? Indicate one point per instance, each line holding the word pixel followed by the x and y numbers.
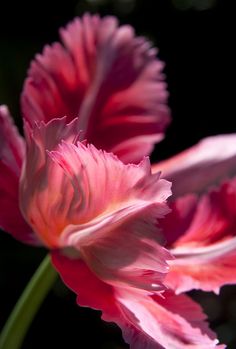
pixel 195 39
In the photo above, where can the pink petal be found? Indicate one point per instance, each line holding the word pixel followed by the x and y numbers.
pixel 207 268
pixel 46 193
pixel 170 321
pixel 176 223
pixel 12 152
pixel 205 250
pixel 147 322
pixel 201 166
pixel 114 224
pixel 106 76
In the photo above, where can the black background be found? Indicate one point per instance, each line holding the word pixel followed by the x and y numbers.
pixel 197 47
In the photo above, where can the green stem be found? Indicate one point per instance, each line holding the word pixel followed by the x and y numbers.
pixel 16 327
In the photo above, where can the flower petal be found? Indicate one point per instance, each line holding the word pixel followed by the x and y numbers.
pixel 106 76
pixel 170 322
pixel 12 152
pixel 176 223
pixel 147 322
pixel 46 193
pixel 205 250
pixel 207 268
pixel 201 166
pixel 119 206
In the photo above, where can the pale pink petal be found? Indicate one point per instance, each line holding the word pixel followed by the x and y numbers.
pixel 46 194
pixel 106 76
pixel 147 322
pixel 170 322
pixel 201 166
pixel 207 268
pixel 114 224
pixel 205 246
pixel 12 152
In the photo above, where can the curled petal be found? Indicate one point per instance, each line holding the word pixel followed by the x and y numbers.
pixel 77 197
pixel 147 322
pixel 117 212
pixel 170 321
pixel 205 250
pixel 206 268
pixel 45 192
pixel 12 152
pixel 203 165
pixel 107 77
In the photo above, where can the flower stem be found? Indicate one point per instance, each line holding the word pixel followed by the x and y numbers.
pixel 16 327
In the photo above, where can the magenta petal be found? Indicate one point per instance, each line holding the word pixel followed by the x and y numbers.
pixel 12 152
pixel 78 277
pixel 201 166
pixel 205 250
pixel 147 322
pixel 107 77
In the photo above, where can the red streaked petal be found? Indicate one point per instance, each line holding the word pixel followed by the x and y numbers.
pixel 106 76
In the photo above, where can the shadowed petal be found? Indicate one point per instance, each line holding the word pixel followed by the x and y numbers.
pixel 205 250
pixel 203 165
pixel 147 322
pixel 12 152
pixel 107 77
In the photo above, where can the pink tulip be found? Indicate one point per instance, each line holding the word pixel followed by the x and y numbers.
pixel 99 217
pixel 88 204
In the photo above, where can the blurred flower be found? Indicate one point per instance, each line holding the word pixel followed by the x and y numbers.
pixel 201 229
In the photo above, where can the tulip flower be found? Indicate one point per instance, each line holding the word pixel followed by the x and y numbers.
pixel 100 216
